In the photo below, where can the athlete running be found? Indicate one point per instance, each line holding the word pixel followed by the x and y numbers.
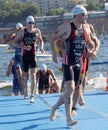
pixel 75 39
pixel 28 37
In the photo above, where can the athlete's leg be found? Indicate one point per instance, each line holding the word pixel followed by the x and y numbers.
pixel 16 86
pixel 33 80
pixel 47 91
pixel 77 70
pixel 62 86
pixel 67 100
pixel 56 106
pixel 81 98
pixel 26 81
pixel 20 78
pixel 25 63
pixel 33 84
pixel 69 90
pixel 76 97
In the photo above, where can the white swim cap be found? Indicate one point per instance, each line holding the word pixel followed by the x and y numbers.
pixel 79 9
pixel 19 25
pixel 43 67
pixel 30 19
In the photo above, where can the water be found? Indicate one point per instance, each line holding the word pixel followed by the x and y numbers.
pixel 96 74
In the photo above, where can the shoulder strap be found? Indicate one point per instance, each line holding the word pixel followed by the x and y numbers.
pixel 25 31
pixel 72 32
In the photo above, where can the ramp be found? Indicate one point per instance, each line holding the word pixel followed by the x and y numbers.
pixel 17 113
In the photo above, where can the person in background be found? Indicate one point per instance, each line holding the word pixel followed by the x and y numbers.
pixel 18 58
pixel 46 80
pixel 86 58
pixel 18 52
pixel 9 37
pixel 12 70
pixel 28 37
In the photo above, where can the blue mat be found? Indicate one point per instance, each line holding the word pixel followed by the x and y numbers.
pixel 99 62
pixel 18 114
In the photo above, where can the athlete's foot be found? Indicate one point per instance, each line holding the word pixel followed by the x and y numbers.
pixel 32 99
pixel 73 113
pixel 25 96
pixel 71 123
pixel 81 103
pixel 53 114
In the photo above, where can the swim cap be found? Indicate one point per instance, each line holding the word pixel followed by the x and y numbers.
pixel 19 25
pixel 43 67
pixel 30 19
pixel 79 9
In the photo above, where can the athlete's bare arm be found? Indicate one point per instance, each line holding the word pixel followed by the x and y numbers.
pixel 52 74
pixel 39 36
pixel 37 77
pixel 60 35
pixel 18 41
pixel 92 41
pixel 7 38
pixel 97 42
pixel 95 39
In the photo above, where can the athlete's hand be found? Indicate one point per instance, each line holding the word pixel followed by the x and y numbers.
pixel 91 55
